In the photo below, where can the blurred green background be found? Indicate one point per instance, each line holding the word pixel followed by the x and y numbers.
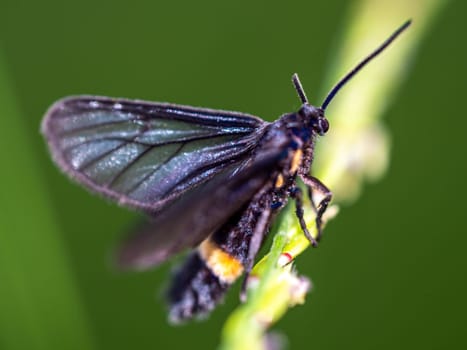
pixel 391 271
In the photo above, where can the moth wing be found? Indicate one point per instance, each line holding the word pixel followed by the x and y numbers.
pixel 141 154
pixel 193 217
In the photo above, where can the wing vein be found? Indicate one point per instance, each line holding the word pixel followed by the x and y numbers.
pixel 147 176
pixel 165 143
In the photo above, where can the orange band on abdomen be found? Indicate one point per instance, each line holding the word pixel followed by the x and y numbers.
pixel 226 267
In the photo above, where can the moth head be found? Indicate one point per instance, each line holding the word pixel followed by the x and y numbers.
pixel 314 117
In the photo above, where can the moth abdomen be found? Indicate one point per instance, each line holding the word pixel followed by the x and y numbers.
pixel 206 275
pixel 201 282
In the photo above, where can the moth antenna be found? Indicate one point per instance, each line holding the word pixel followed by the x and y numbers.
pixel 362 63
pixel 298 86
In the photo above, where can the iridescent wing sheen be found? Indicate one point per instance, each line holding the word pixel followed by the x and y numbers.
pixel 143 154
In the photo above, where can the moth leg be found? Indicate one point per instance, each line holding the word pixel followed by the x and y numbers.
pixel 310 197
pixel 257 238
pixel 297 194
pixel 316 185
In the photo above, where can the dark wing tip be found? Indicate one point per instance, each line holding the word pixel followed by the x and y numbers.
pixel 45 128
pixel 50 133
pixel 50 129
pixel 53 112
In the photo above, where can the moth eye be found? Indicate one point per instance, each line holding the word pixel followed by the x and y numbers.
pixel 323 126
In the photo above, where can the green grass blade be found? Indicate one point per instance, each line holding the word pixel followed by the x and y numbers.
pixel 40 306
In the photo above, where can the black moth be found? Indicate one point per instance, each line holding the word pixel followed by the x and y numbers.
pixel 207 178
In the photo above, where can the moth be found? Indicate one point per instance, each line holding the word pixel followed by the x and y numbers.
pixel 208 179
